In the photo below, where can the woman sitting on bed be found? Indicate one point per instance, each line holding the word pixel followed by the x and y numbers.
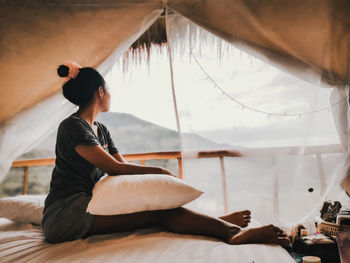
pixel 85 151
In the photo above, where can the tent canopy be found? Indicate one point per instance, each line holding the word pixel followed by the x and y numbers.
pixel 36 36
pixel 308 39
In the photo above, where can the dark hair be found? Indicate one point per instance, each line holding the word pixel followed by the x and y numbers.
pixel 80 90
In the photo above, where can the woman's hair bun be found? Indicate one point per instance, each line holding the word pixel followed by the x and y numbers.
pixel 81 83
pixel 63 71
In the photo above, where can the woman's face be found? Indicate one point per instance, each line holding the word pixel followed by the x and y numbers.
pixel 106 100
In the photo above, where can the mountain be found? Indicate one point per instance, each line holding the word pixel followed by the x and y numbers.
pixel 134 135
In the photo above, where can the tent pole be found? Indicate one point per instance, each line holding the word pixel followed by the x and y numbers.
pixel 173 88
pixel 25 183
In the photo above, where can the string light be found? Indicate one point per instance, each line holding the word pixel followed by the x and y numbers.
pixel 244 106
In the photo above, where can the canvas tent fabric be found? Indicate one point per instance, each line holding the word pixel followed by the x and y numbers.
pixel 306 35
pixel 36 36
pixel 309 39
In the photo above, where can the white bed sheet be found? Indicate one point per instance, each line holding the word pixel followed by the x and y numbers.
pixel 24 243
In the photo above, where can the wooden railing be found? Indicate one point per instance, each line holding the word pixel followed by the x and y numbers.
pixel 142 157
pixel 246 152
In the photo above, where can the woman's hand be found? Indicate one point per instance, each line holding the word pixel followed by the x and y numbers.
pixel 119 157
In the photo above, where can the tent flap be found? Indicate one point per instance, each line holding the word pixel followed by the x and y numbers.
pixel 312 33
pixel 38 36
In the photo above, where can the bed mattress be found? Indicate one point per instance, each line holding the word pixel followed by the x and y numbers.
pixel 24 243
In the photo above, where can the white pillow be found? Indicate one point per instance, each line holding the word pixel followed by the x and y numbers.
pixel 125 194
pixel 26 209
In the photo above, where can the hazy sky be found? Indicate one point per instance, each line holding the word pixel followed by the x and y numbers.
pixel 145 91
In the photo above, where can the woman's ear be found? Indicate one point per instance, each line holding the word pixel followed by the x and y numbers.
pixel 101 93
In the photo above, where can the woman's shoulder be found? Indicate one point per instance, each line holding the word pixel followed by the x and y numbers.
pixel 100 124
pixel 71 122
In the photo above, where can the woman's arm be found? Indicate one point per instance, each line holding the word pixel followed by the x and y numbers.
pixel 96 155
pixel 119 158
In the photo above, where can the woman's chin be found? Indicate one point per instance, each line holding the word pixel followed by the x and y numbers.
pixel 105 110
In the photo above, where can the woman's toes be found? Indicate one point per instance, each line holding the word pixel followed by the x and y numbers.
pixel 246 212
pixel 246 223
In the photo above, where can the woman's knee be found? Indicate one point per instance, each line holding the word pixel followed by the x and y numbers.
pixel 50 235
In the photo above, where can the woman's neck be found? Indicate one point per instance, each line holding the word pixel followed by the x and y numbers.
pixel 89 114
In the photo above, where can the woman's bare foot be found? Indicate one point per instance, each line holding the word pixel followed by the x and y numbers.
pixel 241 218
pixel 269 234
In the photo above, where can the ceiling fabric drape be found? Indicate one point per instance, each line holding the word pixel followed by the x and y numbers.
pixel 309 39
pixel 341 117
pixel 37 36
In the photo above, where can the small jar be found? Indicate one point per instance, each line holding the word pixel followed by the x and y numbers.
pixel 311 259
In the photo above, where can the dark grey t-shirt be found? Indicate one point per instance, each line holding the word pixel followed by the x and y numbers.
pixel 72 173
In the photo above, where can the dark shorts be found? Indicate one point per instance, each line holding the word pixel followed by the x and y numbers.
pixel 66 219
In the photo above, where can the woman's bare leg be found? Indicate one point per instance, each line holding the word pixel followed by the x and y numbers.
pixel 184 221
pixel 178 220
